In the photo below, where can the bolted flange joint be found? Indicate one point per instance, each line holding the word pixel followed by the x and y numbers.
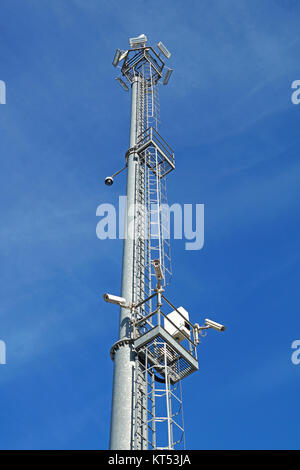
pixel 117 345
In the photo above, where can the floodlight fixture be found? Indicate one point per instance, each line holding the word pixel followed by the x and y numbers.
pixel 139 41
pixel 123 55
pixel 164 50
pixel 117 57
pixel 122 83
pixel 167 76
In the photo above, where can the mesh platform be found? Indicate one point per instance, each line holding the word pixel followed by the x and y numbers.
pixel 179 362
pixel 156 152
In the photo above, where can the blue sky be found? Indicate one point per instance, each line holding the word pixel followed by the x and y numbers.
pixel 227 112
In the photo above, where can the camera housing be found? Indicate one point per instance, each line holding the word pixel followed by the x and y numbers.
pixel 157 269
pixel 179 329
pixel 109 180
pixel 114 299
pixel 214 325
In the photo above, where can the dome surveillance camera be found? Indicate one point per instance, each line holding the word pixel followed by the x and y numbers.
pixel 109 180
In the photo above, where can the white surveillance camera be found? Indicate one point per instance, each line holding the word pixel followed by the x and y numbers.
pixel 214 325
pixel 157 269
pixel 109 180
pixel 114 299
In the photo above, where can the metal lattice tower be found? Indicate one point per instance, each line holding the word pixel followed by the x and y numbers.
pixel 154 352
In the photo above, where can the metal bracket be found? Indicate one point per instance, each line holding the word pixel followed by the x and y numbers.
pixel 117 345
pixel 129 152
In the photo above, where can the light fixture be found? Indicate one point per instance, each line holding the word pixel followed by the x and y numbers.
pixel 122 83
pixel 117 57
pixel 164 50
pixel 123 55
pixel 167 76
pixel 138 41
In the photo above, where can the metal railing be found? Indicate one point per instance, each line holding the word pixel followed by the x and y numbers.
pixel 151 135
pixel 155 318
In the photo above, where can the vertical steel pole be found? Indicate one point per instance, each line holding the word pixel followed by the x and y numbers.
pixel 124 359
